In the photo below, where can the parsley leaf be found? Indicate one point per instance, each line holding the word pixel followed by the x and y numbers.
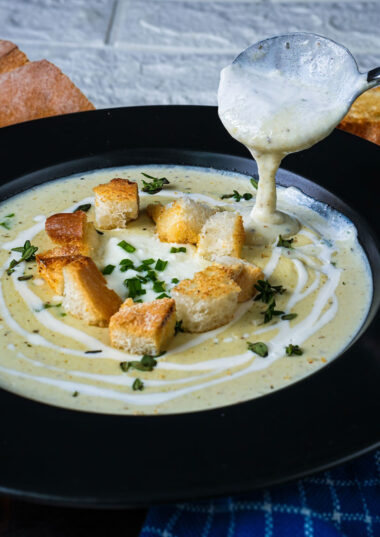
pixel 259 348
pixel 155 185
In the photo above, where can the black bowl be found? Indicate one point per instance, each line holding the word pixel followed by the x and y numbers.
pixel 75 458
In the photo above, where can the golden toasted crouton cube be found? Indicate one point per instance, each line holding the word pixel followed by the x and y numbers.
pixel 116 203
pixel 86 295
pixel 50 267
pixel 144 328
pixel 207 301
pixel 245 274
pixel 222 234
pixel 180 221
pixel 72 231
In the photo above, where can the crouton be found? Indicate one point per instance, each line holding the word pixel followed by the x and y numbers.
pixel 223 234
pixel 116 203
pixel 180 221
pixel 72 231
pixel 50 267
pixel 144 328
pixel 86 295
pixel 154 210
pixel 207 301
pixel 245 274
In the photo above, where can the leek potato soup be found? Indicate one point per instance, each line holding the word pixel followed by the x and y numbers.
pixel 313 298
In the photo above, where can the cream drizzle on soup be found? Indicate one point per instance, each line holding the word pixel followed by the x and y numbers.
pixel 49 356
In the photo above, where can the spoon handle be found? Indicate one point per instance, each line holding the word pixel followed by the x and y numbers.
pixel 374 75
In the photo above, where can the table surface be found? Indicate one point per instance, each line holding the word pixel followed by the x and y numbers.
pixel 139 52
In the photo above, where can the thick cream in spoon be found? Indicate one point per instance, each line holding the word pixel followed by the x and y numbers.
pixel 274 114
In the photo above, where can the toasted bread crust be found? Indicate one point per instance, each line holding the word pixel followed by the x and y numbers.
pixel 223 234
pixel 38 89
pixel 11 56
pixel 117 190
pixel 363 119
pixel 50 268
pixel 245 274
pixel 212 282
pixel 73 233
pixel 154 210
pixel 143 328
pixel 86 294
pixel 116 203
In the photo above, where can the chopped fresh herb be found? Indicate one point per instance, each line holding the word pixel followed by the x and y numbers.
pixel 293 350
pixel 93 352
pixel 163 295
pixel 161 265
pixel 127 247
pixel 25 277
pixel 270 312
pixel 155 186
pixel 289 316
pixel 75 394
pixel 254 183
pixel 259 348
pixel 148 262
pixel 134 287
pixel 237 197
pixel 139 301
pixel 267 291
pixel 141 268
pixel 7 223
pixel 63 314
pixel 99 232
pixel 27 254
pixel 147 363
pixel 285 243
pixel 175 280
pixel 333 263
pixel 138 385
pixel 108 269
pixel 47 305
pixel 159 287
pixel 178 327
pixel 85 207
pixel 174 250
pixel 151 275
pixel 126 264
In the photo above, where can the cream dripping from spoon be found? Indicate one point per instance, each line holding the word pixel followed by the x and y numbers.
pixel 280 96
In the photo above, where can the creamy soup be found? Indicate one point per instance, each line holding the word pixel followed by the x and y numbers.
pixel 50 356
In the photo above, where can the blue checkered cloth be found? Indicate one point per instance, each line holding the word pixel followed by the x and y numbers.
pixel 344 501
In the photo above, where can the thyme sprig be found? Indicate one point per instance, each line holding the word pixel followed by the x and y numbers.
pixel 237 197
pixel 27 254
pixel 156 185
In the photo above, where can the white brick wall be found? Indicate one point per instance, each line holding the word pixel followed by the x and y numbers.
pixel 130 52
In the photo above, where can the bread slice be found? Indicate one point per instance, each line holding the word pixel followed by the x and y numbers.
pixel 72 231
pixel 363 119
pixel 86 295
pixel 116 203
pixel 11 56
pixel 207 301
pixel 222 235
pixel 245 274
pixel 50 266
pixel 180 221
pixel 144 328
pixel 38 89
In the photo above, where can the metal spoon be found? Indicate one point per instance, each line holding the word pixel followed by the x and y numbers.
pixel 312 59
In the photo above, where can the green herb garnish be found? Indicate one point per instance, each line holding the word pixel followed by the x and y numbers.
pixel 163 295
pixel 147 262
pixel 27 254
pixel 93 352
pixel 289 316
pixel 151 275
pixel 85 207
pixel 47 305
pixel 161 265
pixel 293 350
pixel 175 280
pixel 75 394
pixel 6 223
pixel 126 264
pixel 134 287
pixel 174 250
pixel 108 269
pixel 267 291
pixel 147 363
pixel 25 277
pixel 237 197
pixel 155 186
pixel 159 287
pixel 254 183
pixel 138 385
pixel 270 312
pixel 285 243
pixel 178 327
pixel 127 247
pixel 259 348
